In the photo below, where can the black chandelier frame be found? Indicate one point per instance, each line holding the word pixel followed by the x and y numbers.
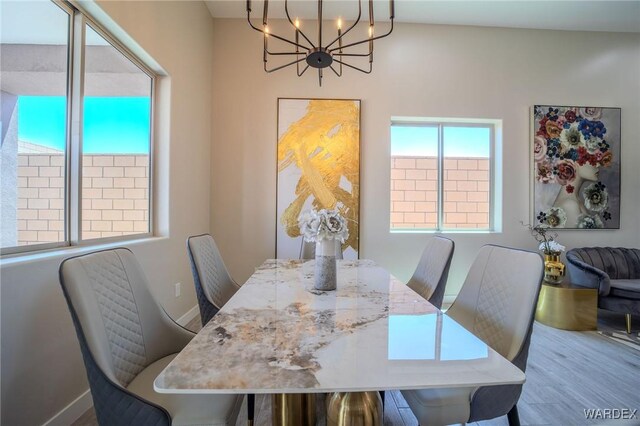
pixel 319 56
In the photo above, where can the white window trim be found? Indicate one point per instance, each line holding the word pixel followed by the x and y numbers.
pixel 495 171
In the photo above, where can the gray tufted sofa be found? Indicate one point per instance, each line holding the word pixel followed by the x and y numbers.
pixel 615 272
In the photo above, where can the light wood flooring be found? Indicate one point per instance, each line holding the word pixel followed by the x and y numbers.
pixel 567 372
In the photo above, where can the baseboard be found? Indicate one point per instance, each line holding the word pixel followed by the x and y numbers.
pixel 187 317
pixel 73 411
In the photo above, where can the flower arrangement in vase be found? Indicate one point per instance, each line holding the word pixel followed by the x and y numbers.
pixel 554 269
pixel 324 227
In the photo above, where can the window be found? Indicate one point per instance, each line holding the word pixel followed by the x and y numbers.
pixel 443 175
pixel 76 131
pixel 115 143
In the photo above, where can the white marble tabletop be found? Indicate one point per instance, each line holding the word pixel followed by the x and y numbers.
pixel 278 335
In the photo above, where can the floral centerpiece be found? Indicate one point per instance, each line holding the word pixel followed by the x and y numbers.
pixel 316 226
pixel 324 227
pixel 551 247
pixel 554 269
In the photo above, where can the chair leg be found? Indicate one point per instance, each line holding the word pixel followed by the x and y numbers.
pixel 627 318
pixel 251 404
pixel 512 416
pixel 382 396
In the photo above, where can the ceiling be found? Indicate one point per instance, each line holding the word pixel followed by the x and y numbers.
pixel 586 15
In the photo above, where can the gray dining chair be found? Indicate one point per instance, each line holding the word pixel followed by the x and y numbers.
pixel 214 285
pixel 496 303
pixel 127 339
pixel 308 250
pixel 430 277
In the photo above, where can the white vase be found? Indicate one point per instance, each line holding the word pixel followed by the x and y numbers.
pixel 325 268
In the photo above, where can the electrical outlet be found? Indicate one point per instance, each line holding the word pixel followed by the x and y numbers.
pixel 177 286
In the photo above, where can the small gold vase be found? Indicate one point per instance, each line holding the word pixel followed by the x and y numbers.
pixel 554 269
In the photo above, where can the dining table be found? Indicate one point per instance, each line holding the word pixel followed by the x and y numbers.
pixel 279 335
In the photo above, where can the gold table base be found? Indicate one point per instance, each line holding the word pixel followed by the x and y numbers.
pixel 567 307
pixel 354 409
pixel 343 409
pixel 293 409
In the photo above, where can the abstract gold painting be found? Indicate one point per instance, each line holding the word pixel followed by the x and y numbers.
pixel 318 167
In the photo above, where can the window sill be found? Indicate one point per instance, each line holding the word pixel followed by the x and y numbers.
pixel 68 251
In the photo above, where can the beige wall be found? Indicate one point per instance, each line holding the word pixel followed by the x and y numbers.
pixel 42 370
pixel 419 71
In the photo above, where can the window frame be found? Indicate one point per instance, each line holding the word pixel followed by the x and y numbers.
pixel 494 127
pixel 79 19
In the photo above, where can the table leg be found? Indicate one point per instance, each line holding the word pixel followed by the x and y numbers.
pixel 293 409
pixel 512 416
pixel 355 409
pixel 251 403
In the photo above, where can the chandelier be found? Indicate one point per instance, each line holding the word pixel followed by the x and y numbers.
pixel 333 55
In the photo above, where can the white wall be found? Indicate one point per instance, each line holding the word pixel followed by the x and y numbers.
pixel 42 369
pixel 420 70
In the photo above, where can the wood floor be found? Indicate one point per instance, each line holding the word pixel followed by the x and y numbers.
pixel 567 373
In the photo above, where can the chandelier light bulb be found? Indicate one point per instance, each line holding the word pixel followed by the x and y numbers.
pixel 370 30
pixel 297 23
pixel 339 23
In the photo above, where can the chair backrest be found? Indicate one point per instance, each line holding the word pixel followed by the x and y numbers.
pixel 124 327
pixel 217 284
pixel 308 250
pixel 498 299
pixel 430 277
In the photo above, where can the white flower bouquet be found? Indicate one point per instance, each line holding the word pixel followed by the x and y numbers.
pixel 543 234
pixel 551 247
pixel 325 224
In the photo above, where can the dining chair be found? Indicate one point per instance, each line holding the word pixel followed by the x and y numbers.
pixel 496 303
pixel 126 340
pixel 214 285
pixel 430 277
pixel 308 250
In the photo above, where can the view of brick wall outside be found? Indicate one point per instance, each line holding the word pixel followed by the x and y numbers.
pixel 114 198
pixel 414 192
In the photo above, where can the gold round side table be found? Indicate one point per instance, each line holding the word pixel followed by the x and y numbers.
pixel 568 307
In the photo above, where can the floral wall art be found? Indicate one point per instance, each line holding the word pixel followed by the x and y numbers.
pixel 576 154
pixel 318 168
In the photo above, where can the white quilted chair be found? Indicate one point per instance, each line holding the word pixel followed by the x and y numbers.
pixel 430 277
pixel 496 303
pixel 127 339
pixel 214 285
pixel 308 250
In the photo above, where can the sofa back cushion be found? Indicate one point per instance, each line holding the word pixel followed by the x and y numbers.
pixel 619 263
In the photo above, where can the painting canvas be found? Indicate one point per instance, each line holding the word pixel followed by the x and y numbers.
pixel 318 167
pixel 576 158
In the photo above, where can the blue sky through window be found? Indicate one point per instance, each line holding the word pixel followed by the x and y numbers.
pixel 423 141
pixel 112 125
